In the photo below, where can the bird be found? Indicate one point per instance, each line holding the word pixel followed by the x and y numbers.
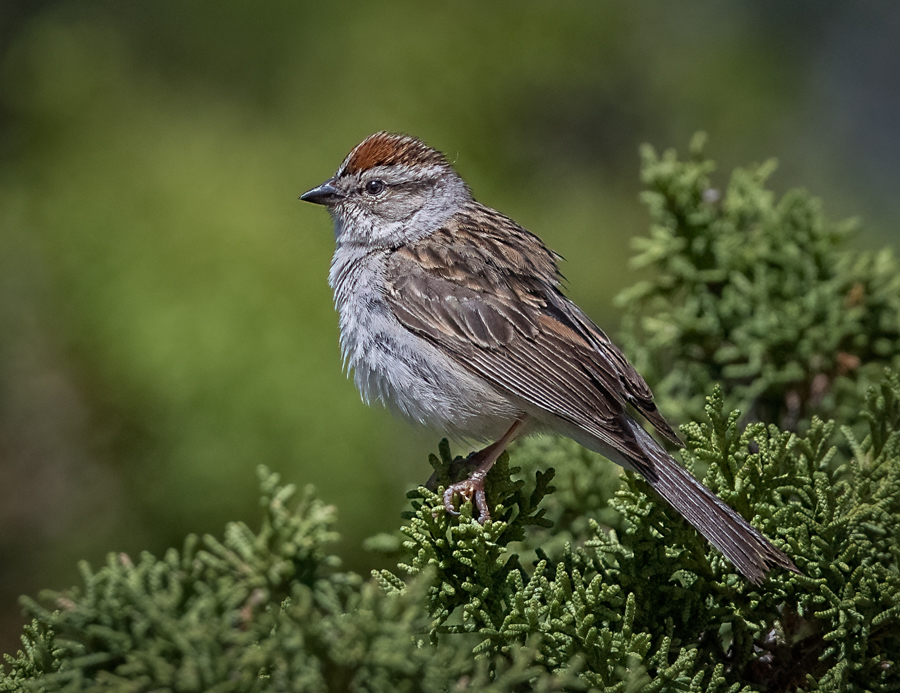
pixel 453 316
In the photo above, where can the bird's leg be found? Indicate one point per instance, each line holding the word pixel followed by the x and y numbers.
pixel 473 487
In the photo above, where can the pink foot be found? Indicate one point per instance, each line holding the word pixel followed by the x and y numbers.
pixel 470 489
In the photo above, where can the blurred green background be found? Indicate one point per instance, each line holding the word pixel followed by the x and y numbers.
pixel 165 321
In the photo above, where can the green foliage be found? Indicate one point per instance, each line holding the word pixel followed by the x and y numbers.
pixel 759 294
pixel 650 608
pixel 657 602
pixel 583 579
pixel 255 612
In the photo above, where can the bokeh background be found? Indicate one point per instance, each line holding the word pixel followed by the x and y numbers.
pixel 165 322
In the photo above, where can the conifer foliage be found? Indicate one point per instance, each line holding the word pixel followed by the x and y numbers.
pixel 756 293
pixel 584 580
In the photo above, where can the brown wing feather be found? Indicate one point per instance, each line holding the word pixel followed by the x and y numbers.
pixel 633 388
pixel 483 296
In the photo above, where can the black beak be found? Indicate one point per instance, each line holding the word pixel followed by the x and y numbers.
pixel 326 194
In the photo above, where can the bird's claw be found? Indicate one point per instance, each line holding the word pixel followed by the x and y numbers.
pixel 471 489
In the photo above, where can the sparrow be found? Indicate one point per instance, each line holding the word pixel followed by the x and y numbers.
pixel 452 315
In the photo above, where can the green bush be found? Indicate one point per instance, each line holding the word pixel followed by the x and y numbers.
pixel 584 580
pixel 757 294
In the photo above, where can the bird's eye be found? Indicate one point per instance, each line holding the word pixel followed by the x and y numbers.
pixel 375 187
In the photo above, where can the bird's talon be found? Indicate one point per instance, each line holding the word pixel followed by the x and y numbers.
pixel 481 503
pixel 448 502
pixel 472 490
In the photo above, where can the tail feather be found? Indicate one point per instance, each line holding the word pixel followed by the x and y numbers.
pixel 746 547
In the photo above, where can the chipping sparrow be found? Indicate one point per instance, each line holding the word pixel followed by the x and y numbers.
pixel 451 314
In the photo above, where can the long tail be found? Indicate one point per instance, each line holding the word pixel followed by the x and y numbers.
pixel 730 533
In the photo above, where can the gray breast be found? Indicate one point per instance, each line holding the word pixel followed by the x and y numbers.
pixel 401 370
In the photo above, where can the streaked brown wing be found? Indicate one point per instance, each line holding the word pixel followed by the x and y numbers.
pixel 636 392
pixel 486 303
